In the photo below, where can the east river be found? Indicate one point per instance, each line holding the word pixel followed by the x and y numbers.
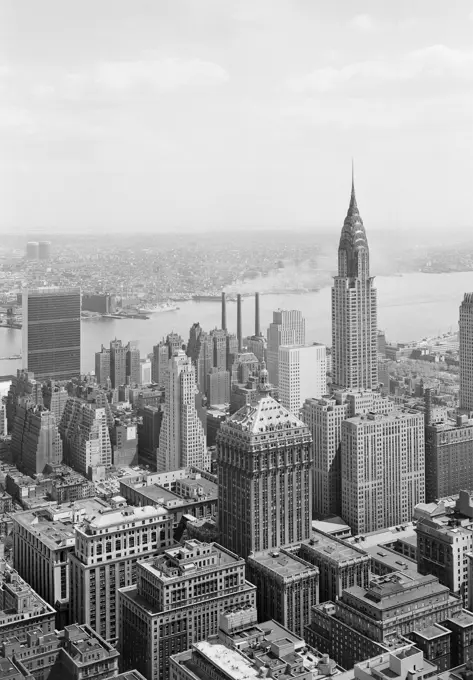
pixel 410 307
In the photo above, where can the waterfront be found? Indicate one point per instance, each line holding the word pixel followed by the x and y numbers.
pixel 409 307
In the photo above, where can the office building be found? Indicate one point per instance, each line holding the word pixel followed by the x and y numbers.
pixel 117 363
pixel 102 303
pixel 382 465
pixel 75 653
pixel 85 433
pixel 218 386
pixel 22 385
pixel 366 622
pixel 182 437
pixel 466 352
pixel 324 418
pixel 162 352
pixel 247 649
pixel 257 345
pixel 200 350
pixel 145 372
pixel 149 428
pixel 340 564
pixel 302 375
pixel 102 367
pixel 133 365
pixel 43 539
pixel 407 663
pixel 242 366
pixel 287 587
pixel 36 443
pixel 444 540
pixel 54 398
pixel 448 456
pixel 265 475
pixel 183 493
pixel 124 438
pixel 22 610
pixel 51 332
pixel 3 419
pixel 287 328
pixel 177 601
pixel 354 309
pixel 108 548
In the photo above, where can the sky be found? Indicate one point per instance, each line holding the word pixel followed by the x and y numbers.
pixel 183 115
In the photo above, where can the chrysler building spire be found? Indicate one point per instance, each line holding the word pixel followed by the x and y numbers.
pixel 353 251
pixel 354 308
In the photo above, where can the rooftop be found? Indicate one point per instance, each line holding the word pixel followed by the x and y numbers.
pixel 432 632
pixel 228 660
pixel 282 563
pixel 266 415
pixel 464 619
pixel 194 556
pixel 384 536
pixel 333 549
pixel 392 590
pixel 123 515
pixel 391 559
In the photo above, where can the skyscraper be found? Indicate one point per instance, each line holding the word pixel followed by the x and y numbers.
pixel 117 363
pixel 102 366
pixel 51 332
pixel 302 374
pixel 287 328
pixel 265 465
pixel 133 368
pixel 200 350
pixel 466 352
pixel 35 438
pixel 354 308
pixel 382 461
pixel 182 437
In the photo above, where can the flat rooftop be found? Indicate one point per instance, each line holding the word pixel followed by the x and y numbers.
pixel 333 549
pixel 398 588
pixel 332 525
pixel 123 515
pixel 432 632
pixel 464 619
pixel 400 532
pixel 282 564
pixel 230 661
pixel 391 559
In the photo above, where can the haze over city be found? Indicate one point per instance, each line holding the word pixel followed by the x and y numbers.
pixel 193 116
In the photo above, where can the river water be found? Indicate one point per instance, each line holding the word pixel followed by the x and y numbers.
pixel 410 307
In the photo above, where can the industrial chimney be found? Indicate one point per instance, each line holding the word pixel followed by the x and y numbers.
pixel 239 332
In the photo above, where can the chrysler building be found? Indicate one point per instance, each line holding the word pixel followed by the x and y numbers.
pixel 354 308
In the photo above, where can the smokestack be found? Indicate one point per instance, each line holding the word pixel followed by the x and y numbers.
pixel 240 344
pixel 257 328
pixel 224 312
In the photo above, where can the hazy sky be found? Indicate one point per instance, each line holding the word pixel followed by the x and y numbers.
pixel 205 114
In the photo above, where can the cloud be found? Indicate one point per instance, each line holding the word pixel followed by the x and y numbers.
pixel 364 22
pixel 434 62
pixel 160 74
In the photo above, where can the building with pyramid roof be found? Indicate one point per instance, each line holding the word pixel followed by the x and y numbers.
pixel 265 462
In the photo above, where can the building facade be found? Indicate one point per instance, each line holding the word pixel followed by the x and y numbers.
pixel 286 328
pixel 324 417
pixel 265 475
pixel 182 437
pixel 107 550
pixel 466 352
pixel 354 309
pixel 382 463
pixel 177 600
pixel 302 375
pixel 51 332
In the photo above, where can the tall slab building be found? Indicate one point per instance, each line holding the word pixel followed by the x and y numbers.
pixel 51 332
pixel 466 352
pixel 286 328
pixel 354 308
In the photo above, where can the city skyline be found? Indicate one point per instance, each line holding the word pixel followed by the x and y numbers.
pixel 250 110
